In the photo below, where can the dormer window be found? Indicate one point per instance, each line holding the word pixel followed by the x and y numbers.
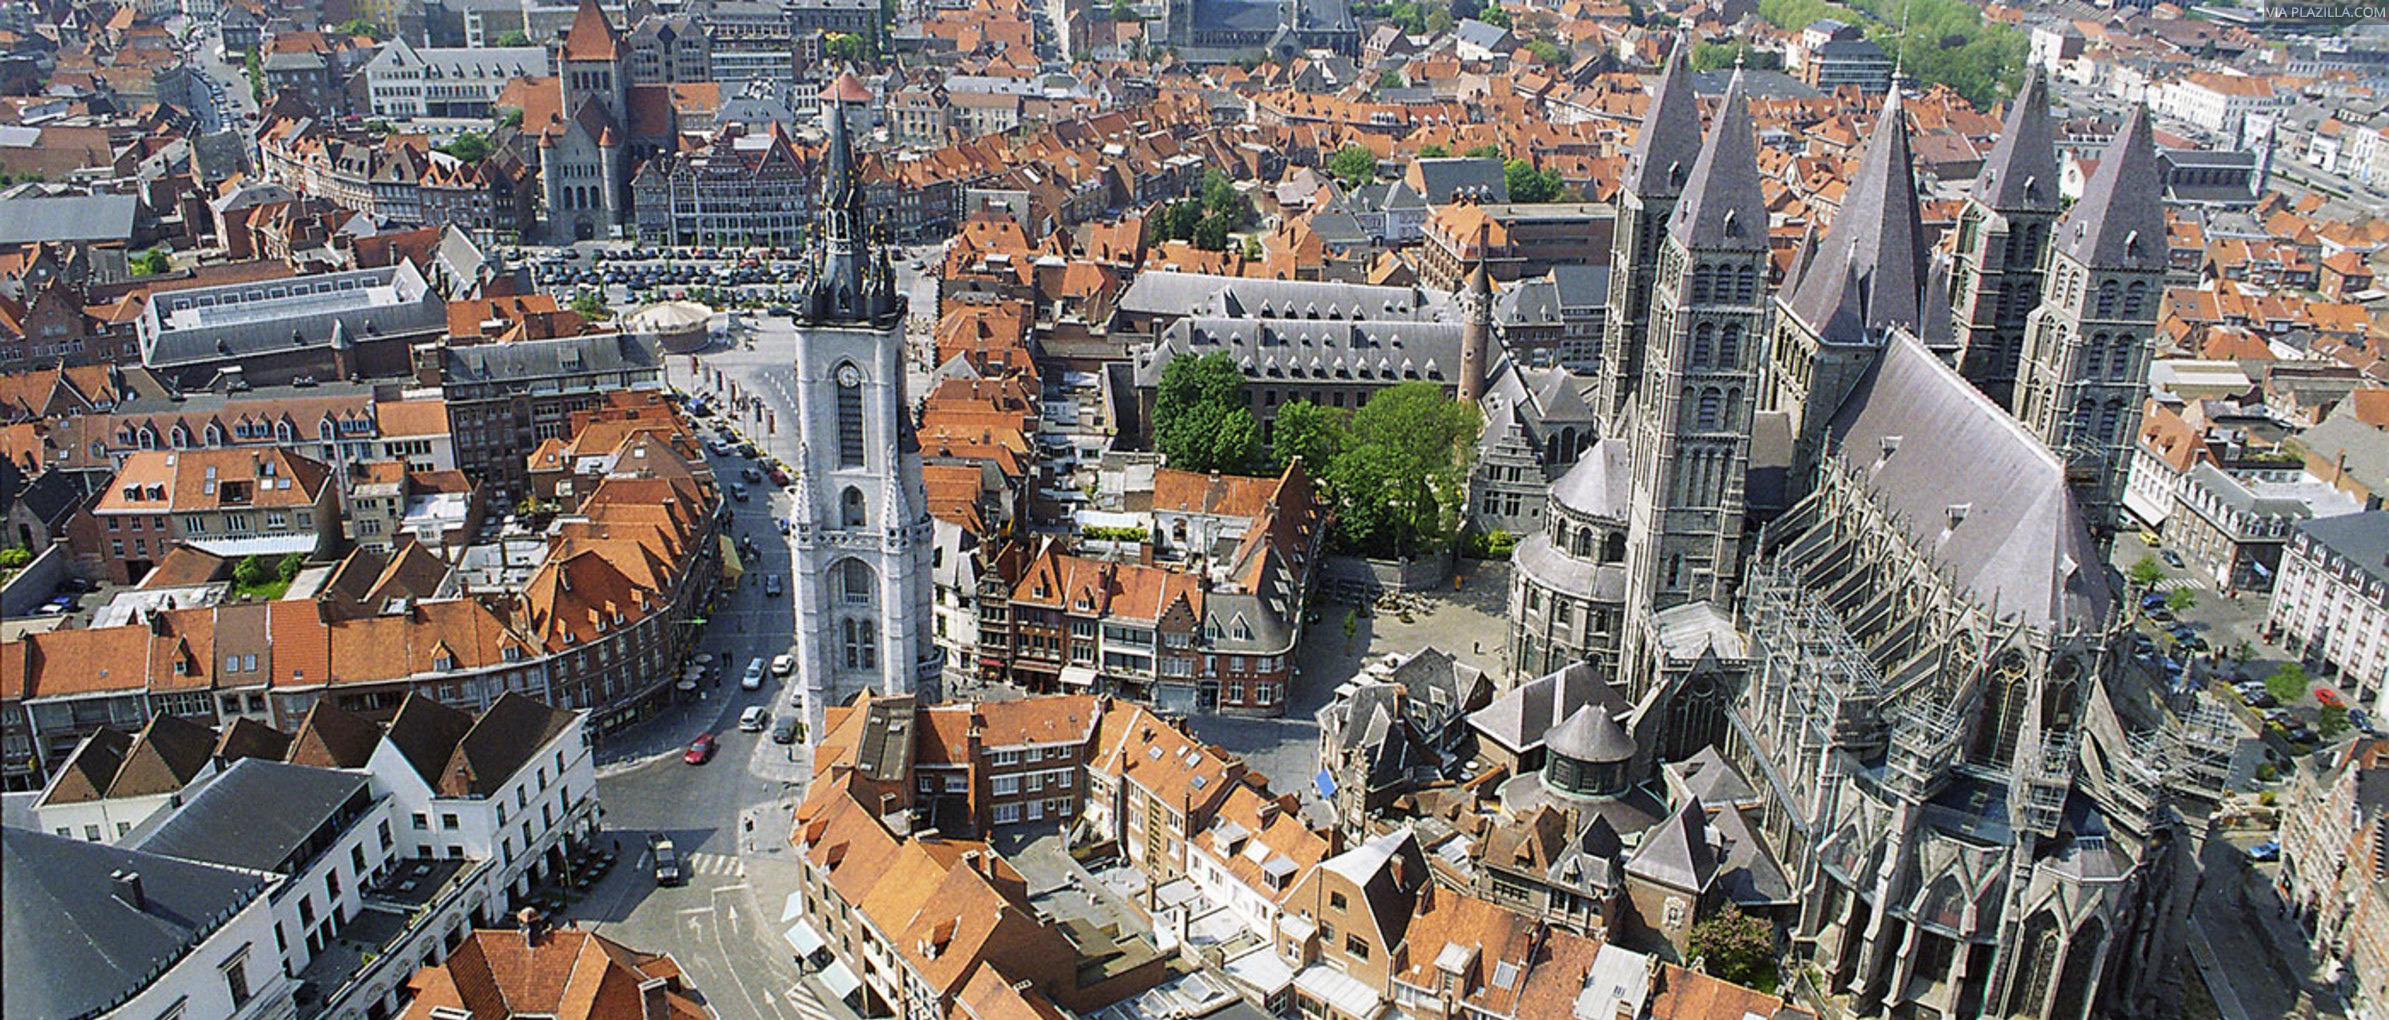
pixel 443 664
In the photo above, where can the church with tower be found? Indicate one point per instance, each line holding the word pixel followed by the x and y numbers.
pixel 1849 535
pixel 860 531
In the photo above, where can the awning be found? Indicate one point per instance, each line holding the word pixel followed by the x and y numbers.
pixel 1078 676
pixel 1325 782
pixel 731 568
pixel 840 980
pixel 804 939
pixel 1345 994
pixel 793 908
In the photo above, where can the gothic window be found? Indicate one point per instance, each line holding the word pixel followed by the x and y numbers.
pixel 2107 295
pixel 2093 354
pixel 1704 339
pixel 215 434
pixel 181 437
pixel 1729 345
pixel 850 507
pixel 1582 544
pixel 1613 550
pixel 2109 419
pixel 2085 415
pixel 1700 284
pixel 2133 296
pixel 860 643
pixel 850 418
pixel 2120 366
pixel 1746 284
pixel 855 583
pixel 2040 947
pixel 2001 720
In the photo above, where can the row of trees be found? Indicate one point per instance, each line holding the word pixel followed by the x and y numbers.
pixel 1395 469
pixel 1356 166
pixel 1947 42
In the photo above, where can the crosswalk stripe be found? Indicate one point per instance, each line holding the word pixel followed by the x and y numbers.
pixel 802 997
pixel 716 864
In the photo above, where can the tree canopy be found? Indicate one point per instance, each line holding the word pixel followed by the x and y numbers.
pixel 1737 947
pixel 1528 184
pixel 1353 165
pixel 1200 421
pixel 1396 469
pixel 514 38
pixel 469 146
pixel 1207 221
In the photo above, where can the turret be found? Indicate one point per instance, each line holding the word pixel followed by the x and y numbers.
pixel 1476 333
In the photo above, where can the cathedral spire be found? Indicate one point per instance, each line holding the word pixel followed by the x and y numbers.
pixel 1868 273
pixel 1670 139
pixel 2022 171
pixel 2119 223
pixel 1723 207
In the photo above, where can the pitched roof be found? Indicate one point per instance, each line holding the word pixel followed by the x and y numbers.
pixel 1670 139
pixel 1723 207
pixel 257 815
pixel 591 37
pixel 565 973
pixel 1866 274
pixel 2022 171
pixel 1676 852
pixel 73 948
pixel 2120 220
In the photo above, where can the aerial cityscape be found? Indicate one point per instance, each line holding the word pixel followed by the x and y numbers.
pixel 1178 509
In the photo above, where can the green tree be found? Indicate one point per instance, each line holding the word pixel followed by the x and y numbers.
pixel 1402 475
pixel 1737 947
pixel 1211 233
pixel 150 263
pixel 1547 51
pixel 1485 151
pixel 360 26
pixel 1390 79
pixel 1494 14
pixel 290 565
pixel 254 66
pixel 470 147
pixel 1528 184
pixel 15 557
pixel 516 37
pixel 845 47
pixel 2145 572
pixel 2331 721
pixel 509 117
pixel 1720 56
pixel 1200 419
pixel 591 305
pixel 1434 150
pixel 2289 683
pixel 1122 10
pixel 1353 165
pixel 1311 432
pixel 1179 219
pixel 2180 599
pixel 1221 199
pixel 252 572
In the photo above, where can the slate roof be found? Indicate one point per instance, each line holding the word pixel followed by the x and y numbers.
pixel 1676 852
pixel 72 948
pixel 538 359
pixel 2120 220
pixel 425 733
pixel 69 218
pixel 1352 353
pixel 1191 294
pixel 2023 546
pixel 501 742
pixel 1442 178
pixel 1590 735
pixel 254 816
pixel 2021 174
pixel 1601 483
pixel 1867 274
pixel 1723 207
pixel 2361 539
pixel 1519 718
pixel 1670 140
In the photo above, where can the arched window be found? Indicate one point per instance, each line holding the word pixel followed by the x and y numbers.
pixel 2107 296
pixel 2085 415
pixel 850 507
pixel 282 431
pixel 2120 365
pixel 181 437
pixel 1729 345
pixel 1582 544
pixel 1712 404
pixel 2134 294
pixel 850 417
pixel 2109 419
pixel 1704 342
pixel 1700 284
pixel 1746 283
pixel 215 434
pixel 2094 354
pixel 855 583
pixel 860 643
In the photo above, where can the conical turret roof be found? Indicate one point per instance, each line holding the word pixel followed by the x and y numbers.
pixel 1670 139
pixel 2021 175
pixel 1722 206
pixel 2120 221
pixel 1590 735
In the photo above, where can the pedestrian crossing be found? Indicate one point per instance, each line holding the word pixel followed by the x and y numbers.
pixel 716 864
pixel 808 1003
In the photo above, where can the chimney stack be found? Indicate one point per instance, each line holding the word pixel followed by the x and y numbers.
pixel 126 885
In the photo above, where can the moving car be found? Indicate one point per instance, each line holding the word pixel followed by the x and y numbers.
pixel 667 861
pixel 784 731
pixel 2268 850
pixel 753 681
pixel 752 720
pixel 772 586
pixel 751 473
pixel 738 491
pixel 2329 698
pixel 700 750
pixel 783 664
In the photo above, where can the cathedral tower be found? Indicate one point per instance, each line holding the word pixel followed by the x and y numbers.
pixel 1863 280
pixel 1692 434
pixel 2087 349
pixel 1476 333
pixel 2003 231
pixel 1656 172
pixel 861 524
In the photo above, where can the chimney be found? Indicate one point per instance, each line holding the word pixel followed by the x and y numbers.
pixel 533 926
pixel 126 886
pixel 652 1002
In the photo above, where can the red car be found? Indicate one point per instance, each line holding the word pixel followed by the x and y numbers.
pixel 700 750
pixel 2327 696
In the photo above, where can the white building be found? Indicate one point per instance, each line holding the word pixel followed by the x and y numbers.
pixel 861 527
pixel 2331 604
pixel 2218 102
pixel 403 82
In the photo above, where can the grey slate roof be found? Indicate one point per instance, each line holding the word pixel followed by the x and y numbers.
pixel 2023 546
pixel 1446 176
pixel 2021 174
pixel 1581 286
pixel 2120 220
pixel 71 218
pixel 1670 140
pixel 1723 207
pixel 72 949
pixel 1304 349
pixel 538 359
pixel 1676 852
pixel 2363 539
pixel 1519 718
pixel 1601 482
pixel 1190 294
pixel 254 816
pixel 1590 735
pixel 1869 269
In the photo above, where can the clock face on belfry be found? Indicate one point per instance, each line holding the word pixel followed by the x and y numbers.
pixel 849 376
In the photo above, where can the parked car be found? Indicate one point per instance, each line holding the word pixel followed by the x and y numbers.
pixel 751 473
pixel 2269 850
pixel 2172 559
pixel 2360 719
pixel 700 750
pixel 783 664
pixel 752 720
pixel 772 586
pixel 738 491
pixel 2330 698
pixel 784 731
pixel 753 680
pixel 2258 699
